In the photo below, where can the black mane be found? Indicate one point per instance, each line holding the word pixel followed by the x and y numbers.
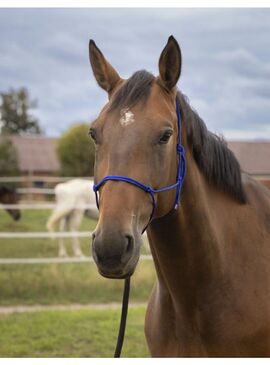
pixel 213 157
pixel 215 160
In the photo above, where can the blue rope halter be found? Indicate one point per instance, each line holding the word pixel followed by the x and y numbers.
pixel 181 171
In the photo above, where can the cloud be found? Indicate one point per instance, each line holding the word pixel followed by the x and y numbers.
pixel 226 61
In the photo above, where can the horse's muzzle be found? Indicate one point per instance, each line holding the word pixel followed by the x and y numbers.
pixel 114 254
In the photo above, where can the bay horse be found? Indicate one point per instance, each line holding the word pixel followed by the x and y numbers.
pixel 211 254
pixel 9 196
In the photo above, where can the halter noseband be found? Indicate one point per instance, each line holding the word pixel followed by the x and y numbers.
pixel 181 171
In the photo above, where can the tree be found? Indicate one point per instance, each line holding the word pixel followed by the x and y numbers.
pixel 76 152
pixel 9 165
pixel 15 117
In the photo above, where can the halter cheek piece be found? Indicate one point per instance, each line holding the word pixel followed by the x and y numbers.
pixel 181 171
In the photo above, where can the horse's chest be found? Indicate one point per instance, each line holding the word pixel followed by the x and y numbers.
pixel 168 333
pixel 176 333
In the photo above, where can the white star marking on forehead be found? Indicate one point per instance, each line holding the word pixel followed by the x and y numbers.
pixel 127 117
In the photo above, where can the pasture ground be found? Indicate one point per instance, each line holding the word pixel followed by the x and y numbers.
pixel 82 333
pixel 78 333
pixel 69 283
pixel 59 283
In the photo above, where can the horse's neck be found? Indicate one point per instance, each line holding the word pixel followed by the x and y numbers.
pixel 184 243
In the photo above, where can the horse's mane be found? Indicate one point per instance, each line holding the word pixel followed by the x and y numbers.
pixel 215 160
pixel 213 157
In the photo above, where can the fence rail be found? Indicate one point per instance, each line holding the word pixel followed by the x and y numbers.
pixel 19 235
pixel 42 191
pixel 45 206
pixel 56 260
pixel 55 179
pixel 32 178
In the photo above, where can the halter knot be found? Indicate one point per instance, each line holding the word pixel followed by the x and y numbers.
pixel 180 149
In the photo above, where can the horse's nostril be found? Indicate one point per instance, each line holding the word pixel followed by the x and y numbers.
pixel 130 243
pixel 112 251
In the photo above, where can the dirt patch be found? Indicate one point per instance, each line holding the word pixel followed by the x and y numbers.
pixel 59 307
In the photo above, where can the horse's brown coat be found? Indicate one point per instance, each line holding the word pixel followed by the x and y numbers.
pixel 212 255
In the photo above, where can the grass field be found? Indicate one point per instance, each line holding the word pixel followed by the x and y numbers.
pixel 81 333
pixel 78 333
pixel 35 221
pixel 69 283
pixel 59 283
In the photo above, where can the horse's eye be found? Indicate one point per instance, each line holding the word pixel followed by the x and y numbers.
pixel 165 137
pixel 92 133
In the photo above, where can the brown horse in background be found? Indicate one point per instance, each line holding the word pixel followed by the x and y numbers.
pixel 9 196
pixel 212 254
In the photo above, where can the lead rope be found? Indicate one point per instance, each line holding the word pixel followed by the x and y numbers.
pixel 122 326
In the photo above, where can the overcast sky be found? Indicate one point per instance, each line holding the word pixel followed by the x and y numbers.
pixel 225 72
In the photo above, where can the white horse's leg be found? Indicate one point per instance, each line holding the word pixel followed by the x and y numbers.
pixel 75 222
pixel 62 248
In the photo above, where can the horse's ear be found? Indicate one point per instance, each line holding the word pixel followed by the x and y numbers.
pixel 105 74
pixel 170 64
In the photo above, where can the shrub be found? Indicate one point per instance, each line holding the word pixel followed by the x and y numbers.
pixel 76 152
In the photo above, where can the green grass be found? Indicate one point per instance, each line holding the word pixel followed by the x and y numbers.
pixel 35 221
pixel 80 333
pixel 69 283
pixel 59 283
pixel 83 333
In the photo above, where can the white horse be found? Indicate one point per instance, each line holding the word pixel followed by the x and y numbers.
pixel 70 198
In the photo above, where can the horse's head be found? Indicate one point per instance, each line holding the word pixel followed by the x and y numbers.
pixel 9 196
pixel 135 136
